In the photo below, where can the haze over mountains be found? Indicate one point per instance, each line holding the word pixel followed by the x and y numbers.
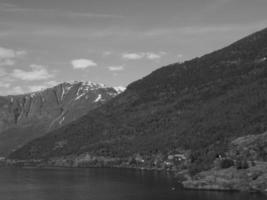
pixel 199 105
pixel 25 117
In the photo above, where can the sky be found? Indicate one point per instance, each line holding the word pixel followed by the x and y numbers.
pixel 115 42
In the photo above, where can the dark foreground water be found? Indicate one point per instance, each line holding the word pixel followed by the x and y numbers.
pixel 100 184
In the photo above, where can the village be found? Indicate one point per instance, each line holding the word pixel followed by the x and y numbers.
pixel 169 162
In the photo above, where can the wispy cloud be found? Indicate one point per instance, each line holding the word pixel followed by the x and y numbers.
pixel 8 56
pixel 82 63
pixel 116 68
pixel 5 81
pixel 37 72
pixel 107 53
pixel 154 56
pixel 132 56
pixel 34 88
pixel 141 55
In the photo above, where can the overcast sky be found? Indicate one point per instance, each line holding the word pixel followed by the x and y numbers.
pixel 44 42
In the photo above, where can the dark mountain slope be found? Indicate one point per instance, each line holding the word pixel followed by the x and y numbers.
pixel 198 105
pixel 25 117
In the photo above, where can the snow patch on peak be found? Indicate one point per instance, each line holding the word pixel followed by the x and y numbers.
pixel 61 120
pixel 79 94
pixel 63 93
pixel 86 83
pixel 91 85
pixel 99 98
pixel 78 97
pixel 119 89
pixel 260 60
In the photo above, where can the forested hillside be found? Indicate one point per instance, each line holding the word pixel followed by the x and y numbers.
pixel 199 105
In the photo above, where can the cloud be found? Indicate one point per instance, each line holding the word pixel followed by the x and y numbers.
pixel 5 76
pixel 7 53
pixel 116 68
pixel 35 88
pixel 37 72
pixel 8 56
pixel 141 55
pixel 133 56
pixel 10 53
pixel 82 63
pixel 106 53
pixel 52 83
pixel 154 56
pixel 4 83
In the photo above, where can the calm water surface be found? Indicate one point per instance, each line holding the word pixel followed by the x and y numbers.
pixel 100 184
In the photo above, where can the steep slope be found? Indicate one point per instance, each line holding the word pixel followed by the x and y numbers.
pixel 199 105
pixel 25 117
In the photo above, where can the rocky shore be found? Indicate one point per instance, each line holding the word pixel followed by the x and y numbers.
pixel 253 179
pixel 244 168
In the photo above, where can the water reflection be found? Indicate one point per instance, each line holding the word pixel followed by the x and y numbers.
pixel 101 184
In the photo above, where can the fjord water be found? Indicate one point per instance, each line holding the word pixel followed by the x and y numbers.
pixel 101 184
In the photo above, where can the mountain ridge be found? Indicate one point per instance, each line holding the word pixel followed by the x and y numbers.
pixel 47 109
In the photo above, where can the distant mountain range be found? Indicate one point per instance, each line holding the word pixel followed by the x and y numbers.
pixel 25 117
pixel 198 106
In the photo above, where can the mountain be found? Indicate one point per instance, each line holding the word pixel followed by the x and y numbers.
pixel 197 106
pixel 25 117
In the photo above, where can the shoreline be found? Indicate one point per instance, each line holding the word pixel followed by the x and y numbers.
pixel 188 183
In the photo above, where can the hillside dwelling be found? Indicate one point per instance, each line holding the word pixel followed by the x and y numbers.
pixel 179 157
pixel 136 160
pixel 139 159
pixel 219 156
pixel 175 160
pixel 260 60
pixel 168 164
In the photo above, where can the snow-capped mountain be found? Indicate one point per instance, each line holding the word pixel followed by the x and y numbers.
pixel 25 117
